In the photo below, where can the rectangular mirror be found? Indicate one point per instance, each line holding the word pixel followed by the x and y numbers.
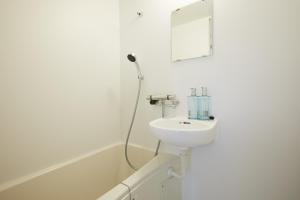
pixel 191 29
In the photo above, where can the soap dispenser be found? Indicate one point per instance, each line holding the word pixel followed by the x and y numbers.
pixel 192 104
pixel 204 105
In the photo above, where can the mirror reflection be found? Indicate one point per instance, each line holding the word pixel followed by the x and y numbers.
pixel 191 29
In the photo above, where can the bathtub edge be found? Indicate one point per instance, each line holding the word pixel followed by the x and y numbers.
pixel 18 181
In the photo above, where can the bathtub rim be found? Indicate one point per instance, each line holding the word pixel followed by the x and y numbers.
pixel 124 188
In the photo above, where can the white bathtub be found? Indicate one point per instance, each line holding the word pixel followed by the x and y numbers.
pixel 102 175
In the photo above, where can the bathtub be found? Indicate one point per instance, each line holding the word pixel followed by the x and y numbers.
pixel 101 175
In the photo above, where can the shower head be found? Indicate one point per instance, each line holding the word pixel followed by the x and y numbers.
pixel 131 57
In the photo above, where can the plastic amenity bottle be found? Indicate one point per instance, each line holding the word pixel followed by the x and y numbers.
pixel 204 105
pixel 192 104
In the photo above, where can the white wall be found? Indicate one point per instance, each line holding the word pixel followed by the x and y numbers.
pixel 59 81
pixel 253 78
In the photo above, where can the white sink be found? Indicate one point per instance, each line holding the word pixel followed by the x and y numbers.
pixel 184 132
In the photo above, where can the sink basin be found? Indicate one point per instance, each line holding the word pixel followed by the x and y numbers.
pixel 184 132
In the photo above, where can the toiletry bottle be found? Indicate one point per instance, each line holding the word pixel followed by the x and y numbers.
pixel 192 104
pixel 204 105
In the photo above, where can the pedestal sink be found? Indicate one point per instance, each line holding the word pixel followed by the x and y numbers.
pixel 183 132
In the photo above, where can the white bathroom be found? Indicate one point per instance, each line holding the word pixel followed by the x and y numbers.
pixel 149 100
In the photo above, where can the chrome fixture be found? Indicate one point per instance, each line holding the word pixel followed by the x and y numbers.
pixel 168 100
